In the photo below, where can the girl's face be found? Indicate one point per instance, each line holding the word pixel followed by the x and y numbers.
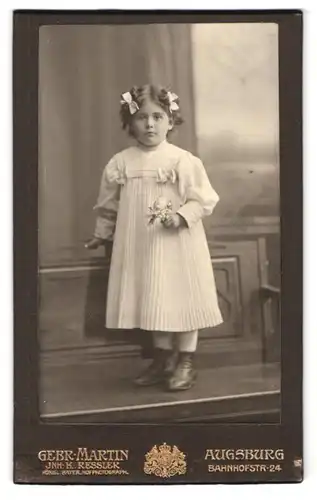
pixel 150 124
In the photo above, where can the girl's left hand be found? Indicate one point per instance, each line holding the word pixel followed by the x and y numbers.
pixel 174 221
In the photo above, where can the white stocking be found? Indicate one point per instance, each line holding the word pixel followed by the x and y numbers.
pixel 187 341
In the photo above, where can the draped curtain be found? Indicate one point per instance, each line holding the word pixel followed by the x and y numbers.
pixel 82 72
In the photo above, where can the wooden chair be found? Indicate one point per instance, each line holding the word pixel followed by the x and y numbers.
pixel 270 297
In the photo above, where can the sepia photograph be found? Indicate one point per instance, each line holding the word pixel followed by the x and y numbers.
pixel 159 259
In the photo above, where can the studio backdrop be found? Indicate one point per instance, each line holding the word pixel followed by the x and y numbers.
pixel 226 76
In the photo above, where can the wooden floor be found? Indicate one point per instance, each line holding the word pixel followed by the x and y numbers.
pixel 103 391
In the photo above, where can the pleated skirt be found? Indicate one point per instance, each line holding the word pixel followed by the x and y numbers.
pixel 161 279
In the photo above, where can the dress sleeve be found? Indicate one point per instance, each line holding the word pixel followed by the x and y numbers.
pixel 108 201
pixel 198 196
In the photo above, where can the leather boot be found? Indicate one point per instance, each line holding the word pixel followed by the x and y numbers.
pixel 184 375
pixel 160 368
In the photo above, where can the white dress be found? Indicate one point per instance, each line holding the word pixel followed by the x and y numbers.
pixel 160 278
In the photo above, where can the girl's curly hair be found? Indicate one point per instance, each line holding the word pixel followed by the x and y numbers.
pixel 159 95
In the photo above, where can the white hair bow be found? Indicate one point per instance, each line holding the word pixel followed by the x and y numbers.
pixel 127 99
pixel 172 98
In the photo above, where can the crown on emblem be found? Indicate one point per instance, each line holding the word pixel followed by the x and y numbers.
pixel 165 448
pixel 165 461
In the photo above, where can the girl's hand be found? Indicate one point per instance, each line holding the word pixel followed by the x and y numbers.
pixel 174 221
pixel 94 243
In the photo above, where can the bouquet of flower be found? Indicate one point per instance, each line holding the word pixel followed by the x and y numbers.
pixel 160 210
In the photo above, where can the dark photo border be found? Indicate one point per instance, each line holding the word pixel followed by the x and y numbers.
pixel 31 435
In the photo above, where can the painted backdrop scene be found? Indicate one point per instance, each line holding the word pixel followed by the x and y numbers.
pixel 226 76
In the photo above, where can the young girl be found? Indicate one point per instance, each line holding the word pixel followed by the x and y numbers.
pixel 152 199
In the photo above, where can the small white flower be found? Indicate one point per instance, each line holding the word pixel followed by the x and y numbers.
pixel 160 210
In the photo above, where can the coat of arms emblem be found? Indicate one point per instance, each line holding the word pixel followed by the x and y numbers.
pixel 165 461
